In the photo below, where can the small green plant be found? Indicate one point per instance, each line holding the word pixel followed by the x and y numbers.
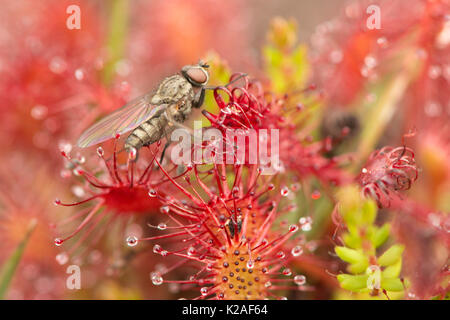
pixel 286 62
pixel 369 269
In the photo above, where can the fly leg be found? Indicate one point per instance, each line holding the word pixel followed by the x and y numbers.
pixel 168 143
pixel 243 75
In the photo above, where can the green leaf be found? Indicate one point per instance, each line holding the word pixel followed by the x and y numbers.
pixel 369 212
pixel 353 283
pixel 10 266
pixel 359 267
pixel 350 255
pixel 391 284
pixel 391 256
pixel 381 235
pixel 394 270
pixel 351 240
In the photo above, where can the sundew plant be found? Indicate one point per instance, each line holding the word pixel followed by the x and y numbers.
pixel 204 153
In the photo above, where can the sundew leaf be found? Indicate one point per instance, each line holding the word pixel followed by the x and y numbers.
pixel 9 267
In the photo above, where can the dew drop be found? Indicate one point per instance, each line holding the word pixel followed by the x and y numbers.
pixel 300 280
pixel 235 192
pixel 65 173
pixel 204 291
pixel 132 154
pixel 65 147
pixel 364 170
pixel 162 226
pixel 123 68
pixel 382 42
pixel 79 74
pixel 434 72
pixel 305 223
pixel 39 112
pixel 370 61
pixel 156 278
pixel 157 249
pixel 57 65
pixel 132 241
pixel 78 172
pixel 281 255
pixel 295 186
pixel 293 228
pixel 364 71
pixel 78 191
pixel 250 264
pixel 296 251
pixel 152 193
pixel 164 209
pixel 57 202
pixel 62 258
pixel 284 191
pixel 315 194
pixel 268 284
pixel 100 152
pixel 58 241
pixel 287 272
pixel 81 159
pixel 191 251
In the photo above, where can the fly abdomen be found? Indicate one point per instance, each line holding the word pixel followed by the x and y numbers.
pixel 147 133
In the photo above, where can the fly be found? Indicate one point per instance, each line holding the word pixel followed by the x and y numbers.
pixel 153 115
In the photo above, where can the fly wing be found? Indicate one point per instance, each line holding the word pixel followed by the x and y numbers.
pixel 121 121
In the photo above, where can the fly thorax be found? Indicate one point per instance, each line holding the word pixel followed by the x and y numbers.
pixel 172 89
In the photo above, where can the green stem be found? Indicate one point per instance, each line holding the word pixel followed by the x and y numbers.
pixel 115 43
pixel 381 112
pixel 10 266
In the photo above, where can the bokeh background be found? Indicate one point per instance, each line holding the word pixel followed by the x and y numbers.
pixel 55 82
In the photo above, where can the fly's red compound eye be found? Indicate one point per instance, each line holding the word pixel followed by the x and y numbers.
pixel 198 75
